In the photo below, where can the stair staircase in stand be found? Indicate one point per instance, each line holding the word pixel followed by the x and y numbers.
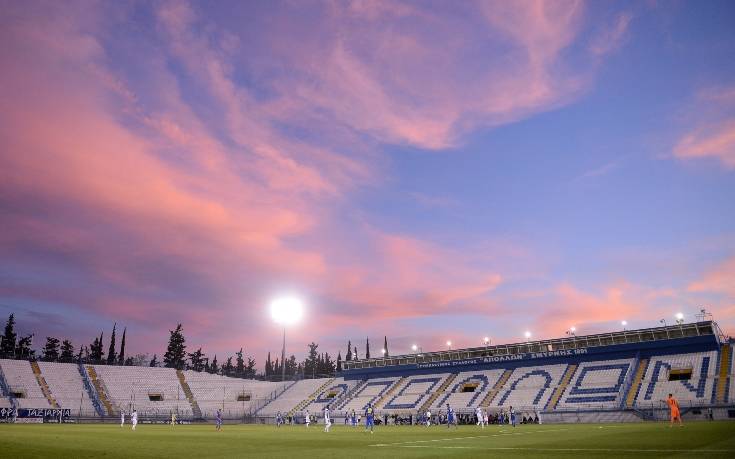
pixel 5 389
pixel 196 411
pixel 97 383
pixel 441 390
pixel 496 388
pixel 380 401
pixel 311 397
pixel 640 372
pixel 723 374
pixel 44 386
pixel 562 387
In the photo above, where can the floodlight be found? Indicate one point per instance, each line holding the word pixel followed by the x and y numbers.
pixel 679 316
pixel 527 334
pixel 287 310
pixel 573 329
pixel 414 348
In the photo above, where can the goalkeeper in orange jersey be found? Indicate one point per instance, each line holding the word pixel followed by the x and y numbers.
pixel 674 409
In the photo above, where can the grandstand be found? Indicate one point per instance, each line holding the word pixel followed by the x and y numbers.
pixel 614 377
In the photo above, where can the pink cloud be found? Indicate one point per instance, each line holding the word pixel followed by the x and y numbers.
pixel 713 133
pixel 712 141
pixel 720 279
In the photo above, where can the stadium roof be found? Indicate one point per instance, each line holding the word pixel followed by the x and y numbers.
pixel 706 328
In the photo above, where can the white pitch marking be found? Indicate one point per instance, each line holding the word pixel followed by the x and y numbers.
pixel 614 450
pixel 468 438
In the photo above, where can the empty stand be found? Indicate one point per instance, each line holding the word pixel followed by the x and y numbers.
pixel 598 384
pixel 22 382
pixel 65 383
pixel 697 389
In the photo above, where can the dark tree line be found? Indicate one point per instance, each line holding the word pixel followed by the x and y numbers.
pixel 316 364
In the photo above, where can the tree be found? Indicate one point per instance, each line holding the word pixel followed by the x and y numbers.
pixel 67 352
pixel 228 369
pixel 239 365
pixel 310 364
pixel 367 348
pixel 138 360
pixel 354 355
pixel 213 367
pixel 277 369
pixel 154 361
pixel 51 350
pixel 348 356
pixel 327 365
pixel 197 360
pixel 23 350
pixel 385 346
pixel 79 356
pixel 95 349
pixel 339 361
pixel 111 355
pixel 292 368
pixel 175 356
pixel 268 366
pixel 7 349
pixel 121 357
pixel 250 368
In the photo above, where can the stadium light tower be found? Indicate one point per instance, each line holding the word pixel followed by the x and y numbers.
pixel 624 324
pixel 679 318
pixel 527 335
pixel 572 331
pixel 286 311
pixel 486 341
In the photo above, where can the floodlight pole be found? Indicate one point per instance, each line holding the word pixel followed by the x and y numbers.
pixel 283 357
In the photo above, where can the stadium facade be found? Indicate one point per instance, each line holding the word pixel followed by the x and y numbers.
pixel 621 376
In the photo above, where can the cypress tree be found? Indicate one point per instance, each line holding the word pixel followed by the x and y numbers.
pixel 111 355
pixel 367 348
pixel 385 345
pixel 348 356
pixel 339 361
pixel 121 357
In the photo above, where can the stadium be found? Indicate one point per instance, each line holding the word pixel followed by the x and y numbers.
pixel 367 228
pixel 620 377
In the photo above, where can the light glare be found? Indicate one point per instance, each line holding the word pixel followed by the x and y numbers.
pixel 679 316
pixel 287 310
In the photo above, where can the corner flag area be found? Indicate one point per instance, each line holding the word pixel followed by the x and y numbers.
pixel 646 440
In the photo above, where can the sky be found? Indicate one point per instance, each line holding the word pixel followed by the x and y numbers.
pixel 426 171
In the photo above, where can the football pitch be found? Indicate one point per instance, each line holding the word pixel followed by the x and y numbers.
pixel 646 440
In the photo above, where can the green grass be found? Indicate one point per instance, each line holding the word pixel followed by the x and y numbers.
pixel 696 439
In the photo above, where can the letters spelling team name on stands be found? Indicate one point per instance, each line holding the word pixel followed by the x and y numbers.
pixel 503 358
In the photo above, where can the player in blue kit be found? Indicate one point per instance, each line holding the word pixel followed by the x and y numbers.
pixel 369 417
pixel 451 418
pixel 218 420
pixel 512 414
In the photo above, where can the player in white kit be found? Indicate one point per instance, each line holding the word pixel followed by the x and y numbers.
pixel 308 418
pixel 134 419
pixel 122 418
pixel 428 418
pixel 480 417
pixel 327 419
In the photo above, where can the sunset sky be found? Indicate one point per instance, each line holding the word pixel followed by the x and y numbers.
pixel 422 170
